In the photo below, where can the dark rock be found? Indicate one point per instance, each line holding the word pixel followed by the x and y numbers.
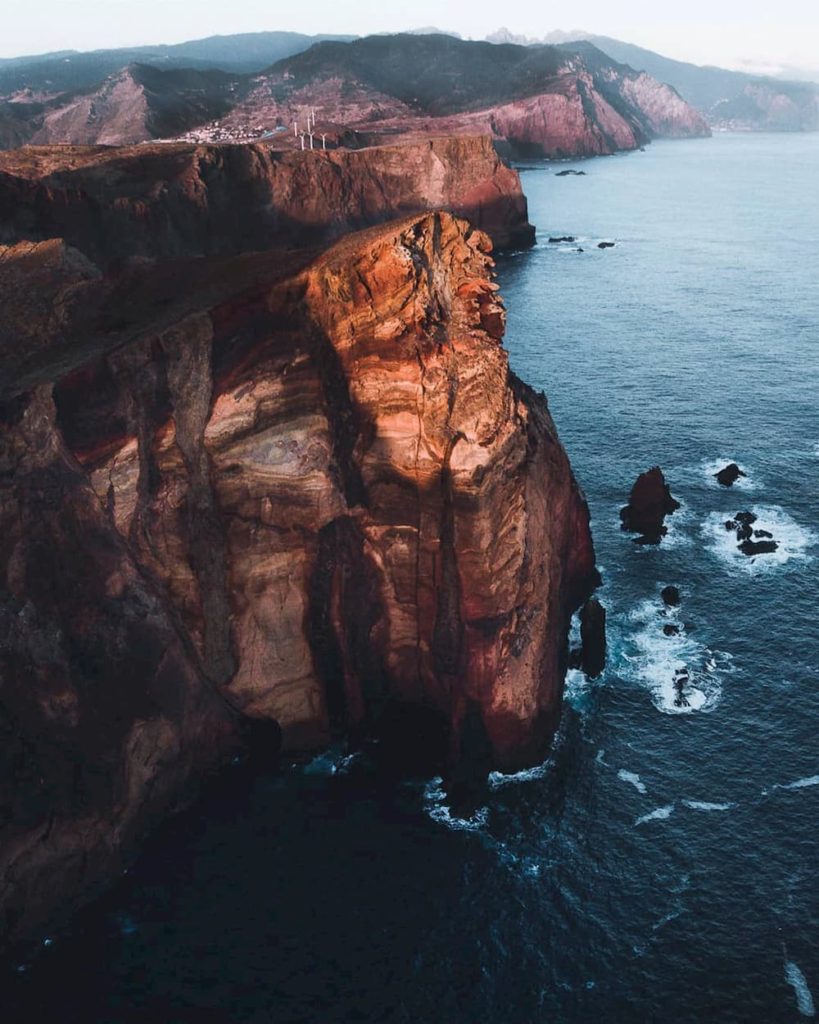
pixel 670 596
pixel 745 517
pixel 605 245
pixel 465 782
pixel 729 475
pixel 579 249
pixel 762 533
pixel 593 637
pixel 562 238
pixel 670 630
pixel 649 503
pixel 758 547
pixel 576 657
pixel 565 174
pixel 730 524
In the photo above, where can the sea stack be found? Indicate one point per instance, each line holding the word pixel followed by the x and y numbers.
pixel 649 503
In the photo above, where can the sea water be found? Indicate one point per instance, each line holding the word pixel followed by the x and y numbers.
pixel 662 864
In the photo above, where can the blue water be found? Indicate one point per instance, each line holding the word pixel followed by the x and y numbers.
pixel 663 865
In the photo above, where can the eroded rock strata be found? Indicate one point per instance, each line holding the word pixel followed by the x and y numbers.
pixel 313 500
pixel 162 201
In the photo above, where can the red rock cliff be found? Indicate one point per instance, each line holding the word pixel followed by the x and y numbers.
pixel 310 500
pixel 160 201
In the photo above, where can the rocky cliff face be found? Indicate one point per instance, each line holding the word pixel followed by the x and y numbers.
pixel 316 496
pixel 163 201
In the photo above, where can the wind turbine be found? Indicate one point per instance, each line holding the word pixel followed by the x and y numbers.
pixel 323 141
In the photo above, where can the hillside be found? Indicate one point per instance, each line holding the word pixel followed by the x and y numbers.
pixel 728 98
pixel 53 73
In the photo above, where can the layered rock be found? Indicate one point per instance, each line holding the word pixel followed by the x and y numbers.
pixel 313 498
pixel 163 201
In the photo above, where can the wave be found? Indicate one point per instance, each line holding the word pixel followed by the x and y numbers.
pixel 796 979
pixel 633 778
pixel 650 658
pixel 660 814
pixel 436 808
pixel 497 780
pixel 806 783
pixel 704 805
pixel 794 540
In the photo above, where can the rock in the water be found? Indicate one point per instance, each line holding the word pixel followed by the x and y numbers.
pixel 670 596
pixel 670 630
pixel 562 238
pixel 758 547
pixel 649 503
pixel 605 245
pixel 593 637
pixel 729 475
pixel 565 174
pixel 751 541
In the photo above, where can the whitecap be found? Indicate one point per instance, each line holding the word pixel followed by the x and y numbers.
pixel 436 808
pixel 665 920
pixel 794 540
pixel 806 783
pixel 650 658
pixel 704 805
pixel 660 814
pixel 796 979
pixel 633 778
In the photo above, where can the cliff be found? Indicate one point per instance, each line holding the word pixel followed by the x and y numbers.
pixel 312 494
pixel 160 201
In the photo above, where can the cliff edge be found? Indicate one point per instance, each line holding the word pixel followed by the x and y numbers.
pixel 318 500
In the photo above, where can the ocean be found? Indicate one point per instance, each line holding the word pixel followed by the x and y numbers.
pixel 661 866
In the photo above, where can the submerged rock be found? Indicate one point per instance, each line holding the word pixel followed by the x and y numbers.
pixel 670 596
pixel 729 475
pixel 649 503
pixel 565 174
pixel 605 245
pixel 555 239
pixel 671 630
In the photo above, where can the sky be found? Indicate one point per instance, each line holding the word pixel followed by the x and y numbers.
pixel 731 33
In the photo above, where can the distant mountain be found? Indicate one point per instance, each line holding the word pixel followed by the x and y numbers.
pixel 543 100
pixel 68 70
pixel 558 101
pixel 728 98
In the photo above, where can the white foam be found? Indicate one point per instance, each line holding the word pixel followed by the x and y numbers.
pixel 498 779
pixel 633 778
pixel 665 920
pixel 796 979
pixel 436 808
pixel 650 658
pixel 711 467
pixel 660 814
pixel 794 540
pixel 704 805
pixel 806 783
